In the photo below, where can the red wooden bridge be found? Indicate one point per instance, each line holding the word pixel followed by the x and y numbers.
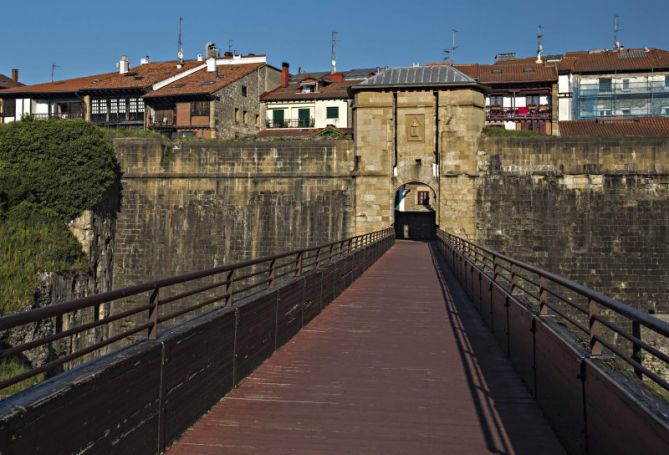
pixel 366 345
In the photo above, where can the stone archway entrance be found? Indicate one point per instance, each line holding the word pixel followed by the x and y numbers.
pixel 415 211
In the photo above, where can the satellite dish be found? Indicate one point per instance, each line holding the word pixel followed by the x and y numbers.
pixel 180 54
pixel 334 62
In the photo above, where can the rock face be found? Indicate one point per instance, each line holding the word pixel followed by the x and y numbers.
pixel 95 230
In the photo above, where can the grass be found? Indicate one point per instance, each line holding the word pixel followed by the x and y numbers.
pixel 12 368
pixel 501 132
pixel 33 240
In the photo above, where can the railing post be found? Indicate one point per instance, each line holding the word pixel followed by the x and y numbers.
pixel 298 264
pixel 272 273
pixel 153 315
pixel 331 252
pixel 228 288
pixel 544 310
pixel 318 257
pixel 495 268
pixel 636 349
pixel 513 279
pixel 350 246
pixel 595 328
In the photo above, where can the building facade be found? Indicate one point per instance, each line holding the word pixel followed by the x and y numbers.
pixel 613 83
pixel 310 103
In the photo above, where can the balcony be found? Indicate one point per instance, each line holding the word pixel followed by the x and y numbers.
pixel 163 121
pixel 496 114
pixel 291 123
pixel 620 89
pixel 119 120
pixel 55 116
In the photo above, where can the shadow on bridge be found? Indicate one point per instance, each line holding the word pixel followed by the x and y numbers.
pixel 399 363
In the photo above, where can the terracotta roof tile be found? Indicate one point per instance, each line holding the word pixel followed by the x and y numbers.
pixel 511 72
pixel 618 127
pixel 64 86
pixel 623 60
pixel 333 90
pixel 8 82
pixel 142 76
pixel 203 82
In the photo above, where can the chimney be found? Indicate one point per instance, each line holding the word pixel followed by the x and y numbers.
pixel 336 77
pixel 15 75
pixel 123 65
pixel 285 76
pixel 211 64
pixel 145 60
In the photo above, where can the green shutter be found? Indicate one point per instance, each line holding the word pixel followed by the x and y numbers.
pixel 333 112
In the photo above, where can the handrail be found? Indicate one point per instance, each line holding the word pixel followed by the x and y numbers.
pixel 240 280
pixel 506 274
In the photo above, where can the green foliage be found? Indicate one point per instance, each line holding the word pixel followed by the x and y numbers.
pixel 12 368
pixel 32 240
pixel 501 132
pixel 63 165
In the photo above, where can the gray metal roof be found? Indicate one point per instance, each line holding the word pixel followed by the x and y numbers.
pixel 420 75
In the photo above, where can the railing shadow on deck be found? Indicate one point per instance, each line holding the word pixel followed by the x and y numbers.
pixel 488 381
pixel 594 395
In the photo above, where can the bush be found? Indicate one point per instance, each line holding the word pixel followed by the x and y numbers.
pixel 63 165
pixel 32 240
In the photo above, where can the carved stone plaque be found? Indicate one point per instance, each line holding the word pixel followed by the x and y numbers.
pixel 415 127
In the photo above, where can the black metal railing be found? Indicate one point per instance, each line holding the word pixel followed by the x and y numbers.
pixel 291 123
pixel 602 325
pixel 159 305
pixel 515 114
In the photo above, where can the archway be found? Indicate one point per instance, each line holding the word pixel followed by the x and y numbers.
pixel 415 211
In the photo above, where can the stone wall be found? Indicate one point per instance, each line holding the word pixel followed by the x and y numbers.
pixel 198 205
pixel 596 211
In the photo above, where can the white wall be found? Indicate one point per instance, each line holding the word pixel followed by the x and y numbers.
pixel 318 111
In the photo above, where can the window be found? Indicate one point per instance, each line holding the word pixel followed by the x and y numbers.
pixel 332 112
pixel 533 100
pixel 605 112
pixel 626 111
pixel 604 84
pixel 626 84
pixel 666 81
pixel 246 118
pixel 257 121
pixel 9 108
pixel 496 100
pixel 199 109
pixel 244 90
pixel 237 116
pixel 665 110
pixel 308 88
pixel 278 118
pixel 304 118
pixel 423 198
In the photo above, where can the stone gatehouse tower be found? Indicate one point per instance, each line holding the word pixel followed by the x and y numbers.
pixel 415 128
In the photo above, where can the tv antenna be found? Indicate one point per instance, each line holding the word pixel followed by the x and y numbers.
pixel 53 70
pixel 540 44
pixel 616 28
pixel 333 56
pixel 450 53
pixel 180 51
pixel 230 43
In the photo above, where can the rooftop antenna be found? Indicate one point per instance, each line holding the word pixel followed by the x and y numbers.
pixel 540 45
pixel 450 53
pixel 180 51
pixel 53 70
pixel 334 54
pixel 230 43
pixel 616 28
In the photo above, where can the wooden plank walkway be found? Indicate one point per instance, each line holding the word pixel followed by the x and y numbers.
pixel 399 364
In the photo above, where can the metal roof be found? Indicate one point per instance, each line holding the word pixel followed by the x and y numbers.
pixel 419 75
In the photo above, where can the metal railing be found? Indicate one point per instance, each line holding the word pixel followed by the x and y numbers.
pixel 515 114
pixel 291 123
pixel 55 116
pixel 164 303
pixel 602 325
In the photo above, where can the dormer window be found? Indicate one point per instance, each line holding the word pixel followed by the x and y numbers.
pixel 308 87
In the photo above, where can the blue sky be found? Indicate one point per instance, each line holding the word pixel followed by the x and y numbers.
pixel 87 37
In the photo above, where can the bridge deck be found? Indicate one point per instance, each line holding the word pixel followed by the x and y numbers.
pixel 398 364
